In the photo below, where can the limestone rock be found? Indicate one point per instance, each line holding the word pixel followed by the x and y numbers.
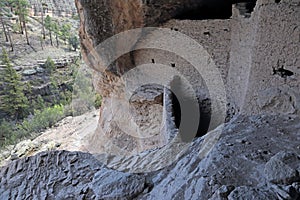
pixel 233 168
pixel 283 168
pixel 222 193
pixel 249 193
pixel 29 72
pixel 107 184
pixel 287 192
pixel 66 175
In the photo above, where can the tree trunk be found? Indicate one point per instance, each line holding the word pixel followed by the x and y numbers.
pixel 26 34
pixel 10 40
pixel 42 43
pixel 21 27
pixel 57 42
pixel 3 26
pixel 51 38
pixel 43 26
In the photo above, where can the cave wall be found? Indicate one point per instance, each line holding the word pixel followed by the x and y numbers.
pixel 100 20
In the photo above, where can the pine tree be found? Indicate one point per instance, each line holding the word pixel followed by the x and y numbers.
pixel 2 21
pixel 49 65
pixel 44 7
pixel 74 42
pixel 48 25
pixel 65 31
pixel 13 101
pixel 39 104
pixel 4 25
pixel 21 9
pixel 56 30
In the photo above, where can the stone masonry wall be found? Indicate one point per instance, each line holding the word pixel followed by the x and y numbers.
pixel 271 88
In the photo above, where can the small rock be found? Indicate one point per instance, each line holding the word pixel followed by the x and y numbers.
pixel 245 192
pixel 225 190
pixel 229 144
pixel 296 186
pixel 75 182
pixel 14 157
pixel 40 70
pixel 18 68
pixel 287 193
pixel 282 168
pixel 242 141
pixel 57 145
pixel 29 72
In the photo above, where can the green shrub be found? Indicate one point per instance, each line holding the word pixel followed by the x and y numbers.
pixel 49 65
pixel 7 133
pixel 98 101
pixel 39 103
pixel 16 28
pixel 65 97
pixel 75 16
pixel 41 120
pixel 74 42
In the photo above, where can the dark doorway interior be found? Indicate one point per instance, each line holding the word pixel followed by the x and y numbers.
pixel 207 11
pixel 205 114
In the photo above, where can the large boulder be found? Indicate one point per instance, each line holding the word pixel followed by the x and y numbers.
pixel 66 175
pixel 283 168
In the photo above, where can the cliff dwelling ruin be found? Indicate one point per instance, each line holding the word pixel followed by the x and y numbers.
pixel 200 101
pixel 228 33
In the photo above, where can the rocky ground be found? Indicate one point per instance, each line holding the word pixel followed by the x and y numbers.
pixel 254 157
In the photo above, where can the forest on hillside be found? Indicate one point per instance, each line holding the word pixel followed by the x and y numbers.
pixel 39 61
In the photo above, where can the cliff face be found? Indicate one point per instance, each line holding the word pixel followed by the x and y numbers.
pixel 54 8
pixel 252 60
pixel 101 20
